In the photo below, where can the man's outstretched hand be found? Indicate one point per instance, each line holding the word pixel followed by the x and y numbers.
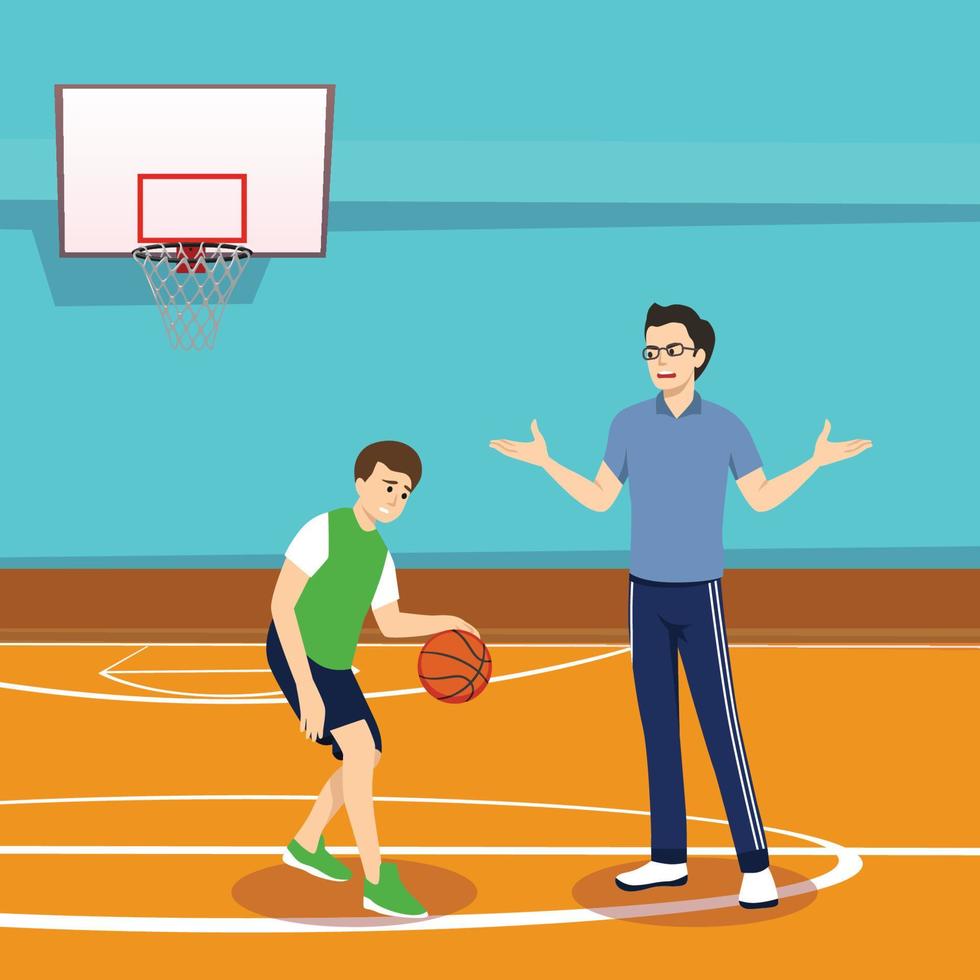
pixel 534 452
pixel 825 451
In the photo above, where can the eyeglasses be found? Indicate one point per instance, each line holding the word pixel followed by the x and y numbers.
pixel 652 352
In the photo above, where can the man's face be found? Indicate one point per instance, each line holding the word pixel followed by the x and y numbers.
pixel 384 493
pixel 671 373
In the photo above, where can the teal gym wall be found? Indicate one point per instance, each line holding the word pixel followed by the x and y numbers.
pixel 512 185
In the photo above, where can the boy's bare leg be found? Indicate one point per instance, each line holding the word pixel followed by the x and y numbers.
pixel 357 775
pixel 330 800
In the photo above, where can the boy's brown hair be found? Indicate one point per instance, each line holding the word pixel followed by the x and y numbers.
pixel 396 456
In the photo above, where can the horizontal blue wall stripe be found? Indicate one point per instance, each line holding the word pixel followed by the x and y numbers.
pixel 110 282
pixel 870 558
pixel 606 171
pixel 40 217
pixel 477 216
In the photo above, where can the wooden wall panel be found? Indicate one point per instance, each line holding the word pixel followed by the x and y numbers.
pixel 762 605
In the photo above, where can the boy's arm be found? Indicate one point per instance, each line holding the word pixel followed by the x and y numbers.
pixel 598 494
pixel 289 587
pixel 394 623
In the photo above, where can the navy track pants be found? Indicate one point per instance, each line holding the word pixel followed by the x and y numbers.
pixel 688 616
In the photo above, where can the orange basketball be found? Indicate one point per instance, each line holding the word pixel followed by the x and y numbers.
pixel 454 666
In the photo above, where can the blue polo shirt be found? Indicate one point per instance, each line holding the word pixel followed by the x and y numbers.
pixel 678 472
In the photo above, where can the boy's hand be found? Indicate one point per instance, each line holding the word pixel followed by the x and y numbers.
pixel 460 624
pixel 312 713
pixel 534 452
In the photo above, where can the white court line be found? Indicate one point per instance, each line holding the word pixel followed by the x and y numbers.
pixel 371 646
pixel 509 677
pixel 277 797
pixel 185 695
pixel 93 696
pixel 200 670
pixel 918 851
pixel 363 646
pixel 848 863
pixel 109 673
pixel 455 801
pixel 263 699
pixel 128 656
pixel 188 695
pixel 410 850
pixel 855 646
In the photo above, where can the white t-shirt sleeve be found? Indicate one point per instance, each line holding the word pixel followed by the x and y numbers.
pixel 309 549
pixel 387 590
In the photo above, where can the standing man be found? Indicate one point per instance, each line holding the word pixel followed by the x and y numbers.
pixel 676 450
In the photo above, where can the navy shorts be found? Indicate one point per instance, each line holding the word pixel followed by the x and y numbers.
pixel 342 696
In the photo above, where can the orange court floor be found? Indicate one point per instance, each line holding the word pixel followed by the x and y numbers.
pixel 148 791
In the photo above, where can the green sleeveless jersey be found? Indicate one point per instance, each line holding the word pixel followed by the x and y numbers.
pixel 332 606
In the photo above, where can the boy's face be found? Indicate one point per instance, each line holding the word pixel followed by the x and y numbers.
pixel 666 372
pixel 384 493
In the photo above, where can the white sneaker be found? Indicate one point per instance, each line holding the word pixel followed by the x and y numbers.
pixel 651 875
pixel 758 891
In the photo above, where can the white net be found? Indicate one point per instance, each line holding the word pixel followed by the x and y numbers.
pixel 191 283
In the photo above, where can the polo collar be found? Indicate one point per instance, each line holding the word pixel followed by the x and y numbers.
pixel 693 409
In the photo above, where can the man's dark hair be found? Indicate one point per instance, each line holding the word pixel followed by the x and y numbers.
pixel 702 333
pixel 395 455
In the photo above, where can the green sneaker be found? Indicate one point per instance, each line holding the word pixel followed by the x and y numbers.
pixel 390 897
pixel 319 862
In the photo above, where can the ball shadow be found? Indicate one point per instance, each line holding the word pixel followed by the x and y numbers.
pixel 710 898
pixel 282 892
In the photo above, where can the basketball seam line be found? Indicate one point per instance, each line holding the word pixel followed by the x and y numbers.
pixel 468 684
pixel 458 691
pixel 465 663
pixel 483 655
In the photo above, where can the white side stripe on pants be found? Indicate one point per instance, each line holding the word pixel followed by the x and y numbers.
pixel 726 660
pixel 631 621
pixel 733 730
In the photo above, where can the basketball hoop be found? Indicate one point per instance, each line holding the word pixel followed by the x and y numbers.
pixel 191 283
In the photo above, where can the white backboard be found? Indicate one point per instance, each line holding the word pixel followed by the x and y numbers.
pixel 246 164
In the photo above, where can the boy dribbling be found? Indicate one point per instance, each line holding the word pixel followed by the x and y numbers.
pixel 336 568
